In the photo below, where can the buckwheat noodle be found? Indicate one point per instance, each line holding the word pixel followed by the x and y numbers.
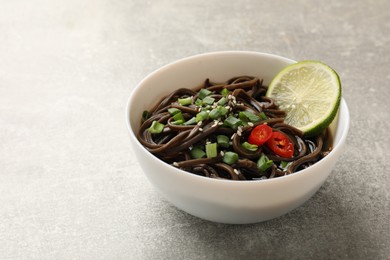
pixel 174 143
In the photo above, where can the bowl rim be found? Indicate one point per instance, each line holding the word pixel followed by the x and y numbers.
pixel 174 170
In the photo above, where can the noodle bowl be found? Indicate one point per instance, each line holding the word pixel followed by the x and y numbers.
pixel 224 200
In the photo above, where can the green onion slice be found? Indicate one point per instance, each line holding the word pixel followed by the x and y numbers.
pixel 173 111
pixel 156 127
pixel 263 164
pixel 202 115
pixel 211 150
pixel 204 93
pixel 185 101
pixel 208 100
pixel 223 141
pixel 230 157
pixel 248 116
pixel 250 147
pixel 232 122
pixel 197 153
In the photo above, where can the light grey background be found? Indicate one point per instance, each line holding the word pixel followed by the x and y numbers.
pixel 70 186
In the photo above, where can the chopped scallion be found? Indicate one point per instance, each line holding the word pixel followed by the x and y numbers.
pixel 284 164
pixel 208 100
pixel 192 121
pixel 199 102
pixel 211 150
pixel 178 116
pixel 230 157
pixel 202 115
pixel 145 115
pixel 156 127
pixel 223 141
pixel 185 101
pixel 204 93
pixel 263 116
pixel 250 147
pixel 225 92
pixel 173 111
pixel 197 153
pixel 222 101
pixel 215 113
pixel 248 116
pixel 232 122
pixel 264 163
pixel 178 122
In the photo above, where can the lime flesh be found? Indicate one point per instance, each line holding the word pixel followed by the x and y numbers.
pixel 309 92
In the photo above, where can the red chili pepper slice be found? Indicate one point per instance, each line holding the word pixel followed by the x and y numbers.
pixel 281 145
pixel 260 134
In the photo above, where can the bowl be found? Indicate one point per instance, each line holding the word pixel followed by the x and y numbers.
pixel 225 201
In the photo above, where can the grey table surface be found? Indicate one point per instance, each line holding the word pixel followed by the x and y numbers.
pixel 70 186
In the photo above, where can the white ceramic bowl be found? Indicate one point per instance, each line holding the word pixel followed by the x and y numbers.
pixel 217 200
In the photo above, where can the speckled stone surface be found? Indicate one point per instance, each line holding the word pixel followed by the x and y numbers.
pixel 70 186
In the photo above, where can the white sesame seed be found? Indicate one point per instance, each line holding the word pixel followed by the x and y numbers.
pixel 222 153
pixel 228 107
pixel 236 172
pixel 220 123
pixel 250 124
pixel 240 128
pixel 200 129
pixel 175 164
pixel 234 135
pixel 215 123
pixel 234 102
pixel 200 122
pixel 239 133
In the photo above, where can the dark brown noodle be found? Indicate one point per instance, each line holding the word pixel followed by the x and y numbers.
pixel 247 93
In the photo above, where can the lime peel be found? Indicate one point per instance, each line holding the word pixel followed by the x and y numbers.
pixel 309 92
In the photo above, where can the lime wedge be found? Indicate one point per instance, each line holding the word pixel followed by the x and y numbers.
pixel 309 92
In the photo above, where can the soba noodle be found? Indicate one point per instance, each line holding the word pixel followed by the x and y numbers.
pixel 177 139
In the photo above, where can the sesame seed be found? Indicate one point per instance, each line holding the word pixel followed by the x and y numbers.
pixel 250 124
pixel 228 107
pixel 200 129
pixel 236 172
pixel 175 164
pixel 239 133
pixel 200 122
pixel 234 135
pixel 222 153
